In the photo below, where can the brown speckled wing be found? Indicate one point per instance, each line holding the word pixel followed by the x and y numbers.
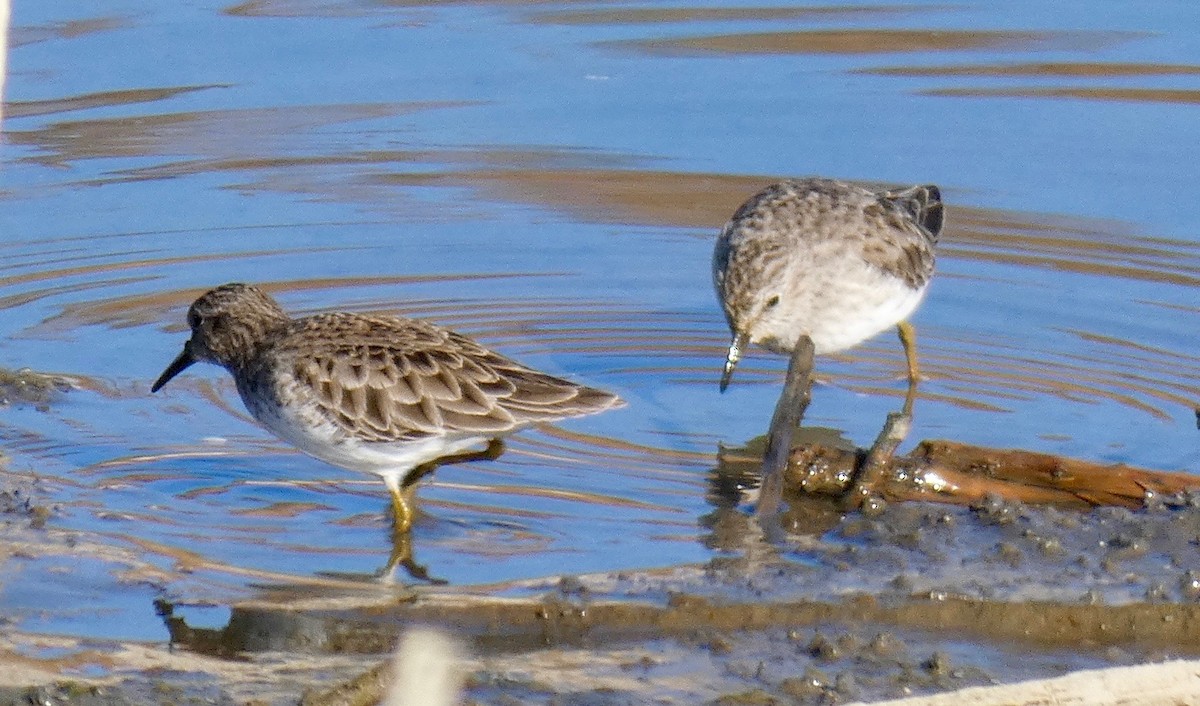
pixel 384 379
pixel 906 225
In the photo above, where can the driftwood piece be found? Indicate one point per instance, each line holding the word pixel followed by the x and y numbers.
pixel 952 472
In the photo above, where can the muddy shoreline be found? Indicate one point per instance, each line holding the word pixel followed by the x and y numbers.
pixel 860 618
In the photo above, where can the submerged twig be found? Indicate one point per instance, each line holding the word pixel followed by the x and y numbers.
pixel 953 472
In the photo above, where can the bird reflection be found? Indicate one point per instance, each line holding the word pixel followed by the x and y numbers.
pixel 820 476
pixel 737 479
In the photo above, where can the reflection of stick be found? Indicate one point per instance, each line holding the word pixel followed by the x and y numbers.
pixel 871 476
pixel 789 412
pixel 871 473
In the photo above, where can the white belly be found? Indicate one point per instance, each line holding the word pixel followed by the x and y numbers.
pixel 839 316
pixel 308 430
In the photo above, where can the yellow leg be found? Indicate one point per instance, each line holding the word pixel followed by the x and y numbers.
pixel 402 504
pixel 404 490
pixel 908 338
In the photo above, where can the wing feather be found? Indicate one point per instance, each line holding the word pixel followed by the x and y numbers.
pixel 399 380
pixel 907 224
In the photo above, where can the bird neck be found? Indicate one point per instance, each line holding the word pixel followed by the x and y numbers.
pixel 243 347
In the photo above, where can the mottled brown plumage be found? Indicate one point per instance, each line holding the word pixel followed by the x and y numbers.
pixel 829 260
pixel 378 394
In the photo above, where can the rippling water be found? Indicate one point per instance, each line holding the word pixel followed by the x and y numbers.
pixel 548 178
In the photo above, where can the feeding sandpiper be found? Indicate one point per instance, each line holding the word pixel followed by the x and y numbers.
pixel 817 266
pixel 383 395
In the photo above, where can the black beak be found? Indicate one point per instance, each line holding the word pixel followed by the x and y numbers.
pixel 181 362
pixel 731 359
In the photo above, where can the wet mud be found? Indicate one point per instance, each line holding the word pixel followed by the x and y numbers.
pixel 28 387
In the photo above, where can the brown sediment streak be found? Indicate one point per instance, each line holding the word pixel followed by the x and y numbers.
pixel 282 509
pixel 552 494
pixel 71 29
pixel 1101 387
pixel 531 542
pixel 617 195
pixel 1066 379
pixel 962 402
pixel 947 360
pixel 1152 273
pixel 619 16
pixel 289 8
pixel 203 491
pixel 146 265
pixel 706 200
pixel 102 99
pixel 1149 352
pixel 1039 68
pixel 1133 95
pixel 981 373
pixel 624 447
pixel 157 458
pixel 189 561
pixel 343 8
pixel 672 15
pixel 614 454
pixel 875 41
pixel 1057 386
pixel 200 132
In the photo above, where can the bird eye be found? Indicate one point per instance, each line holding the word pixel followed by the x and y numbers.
pixel 193 319
pixel 773 302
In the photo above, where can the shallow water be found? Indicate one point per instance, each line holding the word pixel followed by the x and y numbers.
pixel 548 177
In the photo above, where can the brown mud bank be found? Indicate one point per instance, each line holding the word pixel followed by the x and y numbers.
pixel 556 649
pixel 788 652
pixel 29 387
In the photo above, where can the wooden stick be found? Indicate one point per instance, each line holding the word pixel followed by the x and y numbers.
pixel 953 472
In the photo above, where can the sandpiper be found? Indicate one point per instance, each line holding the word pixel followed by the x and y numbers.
pixel 833 261
pixel 809 266
pixel 383 395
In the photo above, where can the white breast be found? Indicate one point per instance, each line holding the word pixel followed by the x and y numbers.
pixel 302 424
pixel 839 315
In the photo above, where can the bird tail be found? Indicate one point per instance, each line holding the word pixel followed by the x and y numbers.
pixel 925 205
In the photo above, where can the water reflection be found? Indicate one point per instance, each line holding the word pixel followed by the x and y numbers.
pixel 733 486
